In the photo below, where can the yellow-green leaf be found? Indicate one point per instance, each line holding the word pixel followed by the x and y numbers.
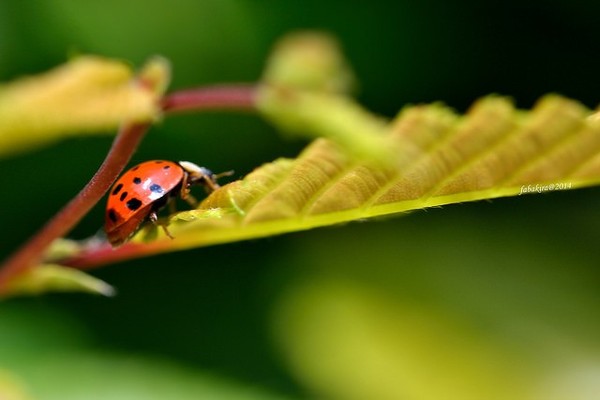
pixel 304 92
pixel 381 348
pixel 87 94
pixel 492 151
pixel 56 278
pixel 310 61
pixel 11 388
pixel 324 115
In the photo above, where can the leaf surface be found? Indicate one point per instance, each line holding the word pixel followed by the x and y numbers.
pixel 494 150
pixel 441 158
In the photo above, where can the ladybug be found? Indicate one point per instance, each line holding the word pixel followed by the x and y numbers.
pixel 145 189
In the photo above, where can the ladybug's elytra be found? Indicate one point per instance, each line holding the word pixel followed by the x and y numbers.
pixel 146 188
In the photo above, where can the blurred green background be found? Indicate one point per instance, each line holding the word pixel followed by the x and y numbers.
pixel 489 300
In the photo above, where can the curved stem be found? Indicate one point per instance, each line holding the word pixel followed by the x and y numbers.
pixel 97 255
pixel 239 97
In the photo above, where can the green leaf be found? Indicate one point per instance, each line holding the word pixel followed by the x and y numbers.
pixel 87 374
pixel 87 94
pixel 436 307
pixel 492 151
pixel 363 166
pixel 311 61
pixel 381 348
pixel 442 158
pixel 56 278
pixel 305 92
pixel 48 354
pixel 331 116
pixel 11 388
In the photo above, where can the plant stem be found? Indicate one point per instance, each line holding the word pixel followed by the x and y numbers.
pixel 239 97
pixel 234 97
pixel 100 254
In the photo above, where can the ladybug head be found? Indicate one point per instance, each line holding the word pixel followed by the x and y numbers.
pixel 199 175
pixel 202 176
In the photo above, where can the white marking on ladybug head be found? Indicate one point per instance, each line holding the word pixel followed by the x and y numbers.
pixel 192 168
pixel 198 173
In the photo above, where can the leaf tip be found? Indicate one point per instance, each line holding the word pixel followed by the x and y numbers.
pixel 156 74
pixel 57 278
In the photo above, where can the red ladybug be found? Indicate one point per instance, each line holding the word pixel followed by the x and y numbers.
pixel 146 188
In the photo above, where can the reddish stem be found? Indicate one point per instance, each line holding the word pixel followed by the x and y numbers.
pixel 124 145
pixel 99 254
pixel 241 97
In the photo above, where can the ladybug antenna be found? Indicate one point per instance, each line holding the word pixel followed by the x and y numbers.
pixel 222 174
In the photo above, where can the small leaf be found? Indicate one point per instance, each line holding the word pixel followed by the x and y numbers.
pixel 64 248
pixel 56 278
pixel 88 94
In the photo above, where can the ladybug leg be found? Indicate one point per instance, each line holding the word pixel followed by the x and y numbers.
pixel 154 219
pixel 210 183
pixel 185 192
pixel 191 200
pixel 172 207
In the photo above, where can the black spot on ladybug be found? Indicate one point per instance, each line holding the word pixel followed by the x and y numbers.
pixel 137 180
pixel 117 188
pixel 166 167
pixel 156 188
pixel 123 196
pixel 112 215
pixel 135 168
pixel 134 204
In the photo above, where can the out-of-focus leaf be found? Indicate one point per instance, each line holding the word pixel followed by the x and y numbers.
pixel 438 302
pixel 92 375
pixel 87 94
pixel 56 278
pixel 311 61
pixel 304 92
pixel 347 342
pixel 63 248
pixel 11 388
pixel 339 118
pixel 42 351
